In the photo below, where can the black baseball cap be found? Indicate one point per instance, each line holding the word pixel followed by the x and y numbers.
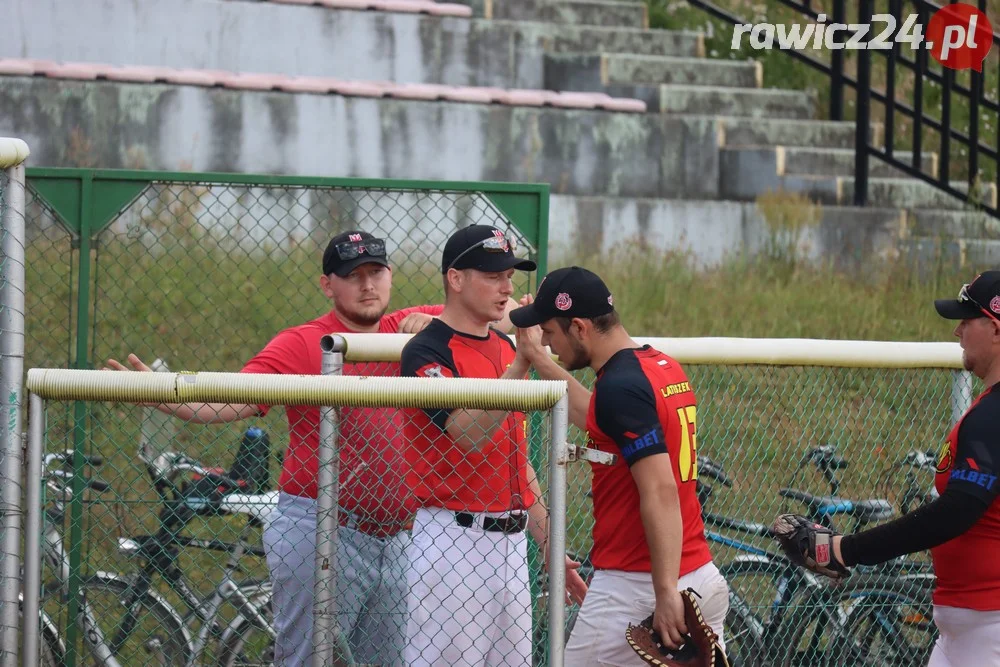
pixel 349 250
pixel 570 292
pixel 980 298
pixel 484 248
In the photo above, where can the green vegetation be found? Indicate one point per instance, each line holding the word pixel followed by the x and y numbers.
pixel 782 70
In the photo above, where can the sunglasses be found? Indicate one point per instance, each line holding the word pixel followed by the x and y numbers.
pixel 354 249
pixel 500 244
pixel 963 296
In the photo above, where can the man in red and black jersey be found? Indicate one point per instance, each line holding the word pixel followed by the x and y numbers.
pixel 962 526
pixel 649 539
pixel 374 505
pixel 469 599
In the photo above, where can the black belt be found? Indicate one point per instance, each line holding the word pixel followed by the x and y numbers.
pixel 508 525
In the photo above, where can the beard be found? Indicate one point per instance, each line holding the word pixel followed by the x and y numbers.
pixel 577 359
pixel 365 315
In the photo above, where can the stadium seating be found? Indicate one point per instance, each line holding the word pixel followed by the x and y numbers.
pixel 317 85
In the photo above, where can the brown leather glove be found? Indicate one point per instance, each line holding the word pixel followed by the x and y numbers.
pixel 701 645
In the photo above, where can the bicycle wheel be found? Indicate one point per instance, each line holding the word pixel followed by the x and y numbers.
pixel 50 649
pixel 743 635
pixel 157 636
pixel 246 642
pixel 866 621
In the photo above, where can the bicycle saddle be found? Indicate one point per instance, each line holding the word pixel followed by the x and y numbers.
pixel 875 509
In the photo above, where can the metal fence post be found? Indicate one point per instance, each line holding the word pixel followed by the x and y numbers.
pixel 329 645
pixel 558 460
pixel 33 530
pixel 12 288
pixel 862 120
pixel 837 68
pixel 961 394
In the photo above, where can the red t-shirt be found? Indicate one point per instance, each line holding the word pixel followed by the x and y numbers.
pixel 371 468
pixel 441 474
pixel 642 405
pixel 968 567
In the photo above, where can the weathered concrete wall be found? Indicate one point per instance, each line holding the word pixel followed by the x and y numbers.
pixel 292 39
pixel 113 125
pixel 712 231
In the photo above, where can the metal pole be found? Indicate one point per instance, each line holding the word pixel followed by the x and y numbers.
pixel 11 375
pixel 329 643
pixel 961 394
pixel 558 460
pixel 862 121
pixel 33 530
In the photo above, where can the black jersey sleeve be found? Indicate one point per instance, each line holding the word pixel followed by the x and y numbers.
pixel 977 454
pixel 424 356
pixel 625 411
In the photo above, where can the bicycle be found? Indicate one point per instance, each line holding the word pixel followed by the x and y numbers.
pixel 149 628
pixel 756 640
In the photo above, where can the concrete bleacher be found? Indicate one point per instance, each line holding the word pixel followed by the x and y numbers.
pixel 635 130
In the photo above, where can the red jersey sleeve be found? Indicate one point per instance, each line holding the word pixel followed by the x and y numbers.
pixel 284 355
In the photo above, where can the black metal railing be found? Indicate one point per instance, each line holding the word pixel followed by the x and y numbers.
pixel 915 76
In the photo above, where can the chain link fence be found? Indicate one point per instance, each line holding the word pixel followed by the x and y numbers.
pixel 200 274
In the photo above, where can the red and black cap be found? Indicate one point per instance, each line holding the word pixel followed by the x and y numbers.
pixel 980 298
pixel 569 292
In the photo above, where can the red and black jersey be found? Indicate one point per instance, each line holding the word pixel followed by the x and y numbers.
pixel 642 405
pixel 442 474
pixel 968 567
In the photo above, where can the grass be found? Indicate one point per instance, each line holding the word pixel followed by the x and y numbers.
pixel 205 305
pixel 781 70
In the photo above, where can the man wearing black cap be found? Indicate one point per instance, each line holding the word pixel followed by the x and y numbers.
pixel 962 526
pixel 468 580
pixel 649 539
pixel 374 507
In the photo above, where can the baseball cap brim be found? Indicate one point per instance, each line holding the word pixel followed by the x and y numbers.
pixel 526 316
pixel 952 309
pixel 345 269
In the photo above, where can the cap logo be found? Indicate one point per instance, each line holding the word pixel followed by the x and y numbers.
pixel 354 237
pixel 995 304
pixel 563 302
pixel 611 301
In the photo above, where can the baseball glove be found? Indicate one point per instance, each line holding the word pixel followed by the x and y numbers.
pixel 808 544
pixel 700 649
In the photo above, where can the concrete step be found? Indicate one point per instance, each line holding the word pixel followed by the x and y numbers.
pixel 608 13
pixel 637 68
pixel 781 132
pixel 933 223
pixel 743 175
pixel 589 71
pixel 552 38
pixel 747 102
pixel 840 162
pixel 805 161
pixel 929 254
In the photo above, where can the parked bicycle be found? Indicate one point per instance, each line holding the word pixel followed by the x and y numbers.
pixel 125 620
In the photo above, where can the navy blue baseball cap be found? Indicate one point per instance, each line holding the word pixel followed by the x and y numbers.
pixel 569 292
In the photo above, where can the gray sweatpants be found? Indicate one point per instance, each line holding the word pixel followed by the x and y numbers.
pixel 371 587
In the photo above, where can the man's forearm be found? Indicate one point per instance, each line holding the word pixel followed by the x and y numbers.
pixel 579 396
pixel 538 514
pixel 661 520
pixel 471 429
pixel 208 413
